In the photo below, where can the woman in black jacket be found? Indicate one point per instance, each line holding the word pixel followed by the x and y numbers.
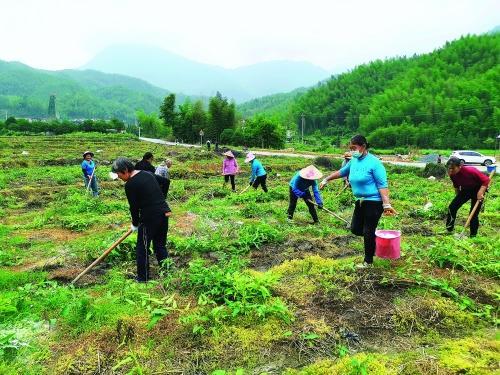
pixel 149 212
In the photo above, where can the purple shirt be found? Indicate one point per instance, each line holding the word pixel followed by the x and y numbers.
pixel 230 166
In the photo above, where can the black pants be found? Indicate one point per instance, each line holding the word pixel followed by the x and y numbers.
pixel 260 180
pixel 293 204
pixel 364 223
pixel 226 179
pixel 155 231
pixel 460 199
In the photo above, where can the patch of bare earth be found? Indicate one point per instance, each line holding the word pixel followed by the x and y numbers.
pixel 270 255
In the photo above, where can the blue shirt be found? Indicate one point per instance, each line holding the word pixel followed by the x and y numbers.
pixel 88 167
pixel 366 175
pixel 257 170
pixel 300 185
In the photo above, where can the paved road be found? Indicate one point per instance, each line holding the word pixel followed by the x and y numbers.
pixel 294 155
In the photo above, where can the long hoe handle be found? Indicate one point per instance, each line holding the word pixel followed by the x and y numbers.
pixel 90 179
pixel 245 189
pixel 104 255
pixel 474 209
pixel 331 212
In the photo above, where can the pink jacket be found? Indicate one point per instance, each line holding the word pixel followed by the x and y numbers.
pixel 230 166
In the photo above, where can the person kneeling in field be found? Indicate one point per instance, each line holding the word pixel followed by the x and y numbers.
pixel 368 180
pixel 469 184
pixel 259 174
pixel 299 188
pixel 149 211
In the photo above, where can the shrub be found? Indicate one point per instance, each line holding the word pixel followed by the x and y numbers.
pixel 329 163
pixel 433 169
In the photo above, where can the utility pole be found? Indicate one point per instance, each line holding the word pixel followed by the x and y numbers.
pixel 303 124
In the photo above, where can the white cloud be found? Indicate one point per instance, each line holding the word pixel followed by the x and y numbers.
pixel 57 34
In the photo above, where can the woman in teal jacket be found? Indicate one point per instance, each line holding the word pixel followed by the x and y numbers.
pixel 368 180
pixel 259 174
pixel 299 188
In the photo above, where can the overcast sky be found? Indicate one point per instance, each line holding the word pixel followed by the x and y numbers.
pixel 336 35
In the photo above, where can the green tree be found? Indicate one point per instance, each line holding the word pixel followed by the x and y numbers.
pixel 167 110
pixel 221 116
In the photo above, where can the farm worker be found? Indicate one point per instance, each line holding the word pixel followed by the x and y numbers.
pixel 149 211
pixel 230 168
pixel 89 176
pixel 299 188
pixel 469 184
pixel 368 180
pixel 146 163
pixel 259 174
pixel 163 171
pixel 347 159
pixel 208 145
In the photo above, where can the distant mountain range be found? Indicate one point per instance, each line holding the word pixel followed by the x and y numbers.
pixel 25 91
pixel 178 74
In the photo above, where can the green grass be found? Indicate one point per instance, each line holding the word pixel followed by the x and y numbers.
pixel 245 291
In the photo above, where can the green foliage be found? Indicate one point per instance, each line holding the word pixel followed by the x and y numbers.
pixel 258 131
pixel 229 293
pixel 329 163
pixel 80 94
pixel 152 126
pixel 413 101
pixel 434 169
pixel 221 116
pixel 167 110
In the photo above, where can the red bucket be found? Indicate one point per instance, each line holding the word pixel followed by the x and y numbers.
pixel 388 244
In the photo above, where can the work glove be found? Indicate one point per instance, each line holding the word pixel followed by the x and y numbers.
pixel 251 182
pixel 133 227
pixel 323 183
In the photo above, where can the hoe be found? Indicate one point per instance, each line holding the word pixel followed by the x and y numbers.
pixel 104 255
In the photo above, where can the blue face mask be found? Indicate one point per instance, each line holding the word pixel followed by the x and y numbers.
pixel 356 154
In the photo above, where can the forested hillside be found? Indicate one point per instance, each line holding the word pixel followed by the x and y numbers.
pixel 276 104
pixel 24 92
pixel 445 99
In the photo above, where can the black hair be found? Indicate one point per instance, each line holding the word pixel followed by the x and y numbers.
pixel 148 155
pixel 121 165
pixel 453 162
pixel 360 140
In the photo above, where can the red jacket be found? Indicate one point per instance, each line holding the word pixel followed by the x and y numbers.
pixel 469 178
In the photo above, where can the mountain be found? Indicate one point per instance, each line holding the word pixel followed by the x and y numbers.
pixel 25 91
pixel 448 98
pixel 168 70
pixel 272 105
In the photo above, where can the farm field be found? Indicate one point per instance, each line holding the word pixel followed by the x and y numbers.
pixel 245 292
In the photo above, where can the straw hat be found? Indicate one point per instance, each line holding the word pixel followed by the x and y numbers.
pixel 250 157
pixel 228 153
pixel 88 153
pixel 310 173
